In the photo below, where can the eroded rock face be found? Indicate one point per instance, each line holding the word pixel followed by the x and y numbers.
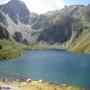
pixel 53 27
pixel 88 13
pixel 59 32
pixel 17 10
pixel 62 25
pixel 3 33
pixel 3 20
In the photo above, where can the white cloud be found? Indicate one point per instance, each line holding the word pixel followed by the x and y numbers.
pixel 3 1
pixel 42 6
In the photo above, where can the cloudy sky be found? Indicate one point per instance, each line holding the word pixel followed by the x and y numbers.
pixel 42 6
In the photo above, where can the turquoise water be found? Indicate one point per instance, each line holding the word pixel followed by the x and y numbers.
pixel 57 66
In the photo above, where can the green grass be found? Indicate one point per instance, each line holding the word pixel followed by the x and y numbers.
pixel 10 49
pixel 82 43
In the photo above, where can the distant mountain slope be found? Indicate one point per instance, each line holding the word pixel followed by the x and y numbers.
pixel 16 10
pixel 62 27
pixel 8 47
pixel 4 33
pixel 58 32
pixel 82 43
pixel 14 16
pixel 58 26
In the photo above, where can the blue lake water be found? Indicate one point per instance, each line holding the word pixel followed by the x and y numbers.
pixel 57 66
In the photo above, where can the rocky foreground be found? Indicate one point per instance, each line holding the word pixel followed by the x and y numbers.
pixel 34 85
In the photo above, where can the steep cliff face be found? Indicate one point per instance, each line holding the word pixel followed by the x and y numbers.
pixel 3 33
pixel 3 19
pixel 59 32
pixel 87 13
pixel 82 43
pixel 16 10
pixel 14 16
pixel 61 26
pixel 69 26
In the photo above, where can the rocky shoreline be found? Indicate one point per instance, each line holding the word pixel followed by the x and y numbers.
pixel 34 85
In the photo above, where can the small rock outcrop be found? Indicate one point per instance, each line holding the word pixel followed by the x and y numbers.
pixel 3 33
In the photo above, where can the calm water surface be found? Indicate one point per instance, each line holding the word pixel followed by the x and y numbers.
pixel 57 66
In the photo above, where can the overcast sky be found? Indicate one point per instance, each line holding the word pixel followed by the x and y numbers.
pixel 42 6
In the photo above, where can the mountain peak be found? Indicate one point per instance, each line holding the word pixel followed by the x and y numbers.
pixel 17 1
pixel 17 10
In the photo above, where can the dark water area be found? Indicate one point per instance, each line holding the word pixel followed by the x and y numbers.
pixel 56 66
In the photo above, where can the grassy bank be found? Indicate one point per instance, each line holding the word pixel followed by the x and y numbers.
pixel 35 85
pixel 82 43
pixel 9 49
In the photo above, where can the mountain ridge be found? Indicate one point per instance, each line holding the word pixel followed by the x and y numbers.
pixel 62 27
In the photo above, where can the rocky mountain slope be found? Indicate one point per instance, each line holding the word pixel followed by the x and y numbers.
pixel 16 10
pixel 69 26
pixel 14 16
pixel 4 33
pixel 62 27
pixel 8 47
pixel 82 43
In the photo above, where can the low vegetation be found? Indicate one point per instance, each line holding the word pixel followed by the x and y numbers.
pixel 9 49
pixel 35 85
pixel 82 43
pixel 47 86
